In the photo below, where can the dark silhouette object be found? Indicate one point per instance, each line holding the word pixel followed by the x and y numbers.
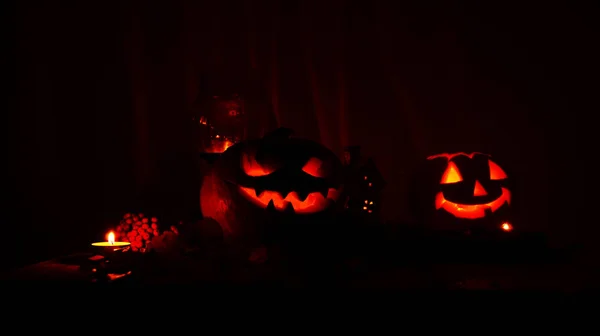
pixel 372 187
pixel 203 237
pixel 352 156
pixel 363 185
pixel 173 195
pixel 281 133
pixel 209 158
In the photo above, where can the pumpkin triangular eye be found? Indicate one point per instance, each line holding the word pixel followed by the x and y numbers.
pixel 451 175
pixel 496 173
pixel 313 167
pixel 253 168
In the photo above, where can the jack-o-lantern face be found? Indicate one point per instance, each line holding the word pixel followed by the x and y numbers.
pixel 274 179
pixel 288 181
pixel 471 186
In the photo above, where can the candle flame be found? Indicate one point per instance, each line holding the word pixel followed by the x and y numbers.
pixel 111 238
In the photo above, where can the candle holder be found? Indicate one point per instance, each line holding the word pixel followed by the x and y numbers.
pixel 111 255
pixel 110 246
pixel 111 261
pixel 105 270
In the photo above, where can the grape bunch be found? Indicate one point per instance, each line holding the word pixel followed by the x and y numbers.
pixel 138 230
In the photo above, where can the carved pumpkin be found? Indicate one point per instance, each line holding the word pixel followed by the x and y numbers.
pixel 274 179
pixel 464 191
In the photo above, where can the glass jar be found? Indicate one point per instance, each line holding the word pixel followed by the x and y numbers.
pixel 221 122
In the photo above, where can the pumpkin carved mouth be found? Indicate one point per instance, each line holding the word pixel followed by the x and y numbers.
pixel 471 211
pixel 314 201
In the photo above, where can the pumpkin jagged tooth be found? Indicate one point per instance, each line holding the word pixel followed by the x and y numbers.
pixel 258 191
pixel 302 195
pixel 284 194
pixel 271 206
pixel 324 192
pixel 289 208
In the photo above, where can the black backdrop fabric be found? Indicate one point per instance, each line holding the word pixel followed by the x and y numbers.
pixel 104 93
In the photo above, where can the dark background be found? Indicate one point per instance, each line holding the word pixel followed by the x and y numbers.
pixel 104 90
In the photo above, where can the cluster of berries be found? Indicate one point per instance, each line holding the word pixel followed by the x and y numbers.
pixel 139 230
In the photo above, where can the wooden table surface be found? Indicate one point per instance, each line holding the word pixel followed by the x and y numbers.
pixel 565 276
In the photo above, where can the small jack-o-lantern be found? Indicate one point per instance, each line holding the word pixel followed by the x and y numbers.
pixel 464 191
pixel 278 177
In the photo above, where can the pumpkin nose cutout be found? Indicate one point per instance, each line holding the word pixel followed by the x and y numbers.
pixel 479 190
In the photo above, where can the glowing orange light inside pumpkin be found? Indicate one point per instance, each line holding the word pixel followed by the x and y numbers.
pixel 479 190
pixel 496 173
pixel 364 208
pixel 313 167
pixel 253 168
pixel 506 227
pixel 471 211
pixel 111 238
pixel 365 178
pixel 451 175
pixel 370 184
pixel 314 202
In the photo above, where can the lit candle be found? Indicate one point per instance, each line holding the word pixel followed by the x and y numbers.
pixel 111 242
